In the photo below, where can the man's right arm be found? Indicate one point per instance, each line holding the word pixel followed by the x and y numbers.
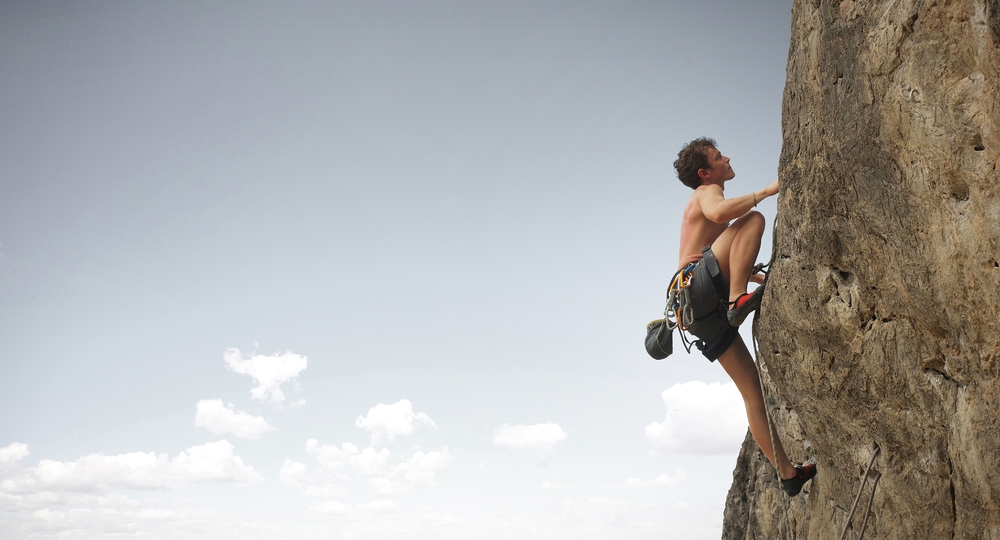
pixel 717 208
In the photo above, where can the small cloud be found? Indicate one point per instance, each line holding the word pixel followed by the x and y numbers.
pixel 370 462
pixel 393 420
pixel 340 466
pixel 377 506
pixel 12 453
pixel 549 486
pixel 269 372
pixel 367 462
pixel 541 437
pixel 692 406
pixel 211 462
pixel 660 482
pixel 421 467
pixel 219 419
pixel 293 474
pixel 330 457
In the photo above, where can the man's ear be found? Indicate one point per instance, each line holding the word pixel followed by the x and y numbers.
pixel 704 174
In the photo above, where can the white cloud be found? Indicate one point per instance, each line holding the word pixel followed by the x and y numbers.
pixel 218 418
pixel 211 462
pixel 393 420
pixel 549 486
pixel 370 462
pixel 293 474
pixel 701 419
pixel 12 453
pixel 269 372
pixel 340 465
pixel 377 506
pixel 330 457
pixel 330 507
pixel 115 515
pixel 662 481
pixel 420 468
pixel 367 462
pixel 539 436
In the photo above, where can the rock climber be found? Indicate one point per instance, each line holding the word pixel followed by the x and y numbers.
pixel 720 240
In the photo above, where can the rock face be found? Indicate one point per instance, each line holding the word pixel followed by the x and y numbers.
pixel 881 322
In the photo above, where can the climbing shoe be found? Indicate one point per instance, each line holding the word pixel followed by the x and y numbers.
pixel 803 474
pixel 741 308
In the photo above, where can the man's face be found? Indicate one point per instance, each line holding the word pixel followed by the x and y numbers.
pixel 719 168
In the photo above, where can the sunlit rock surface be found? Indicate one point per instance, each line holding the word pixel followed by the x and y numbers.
pixel 880 322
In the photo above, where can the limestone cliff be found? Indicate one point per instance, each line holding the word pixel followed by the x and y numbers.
pixel 881 322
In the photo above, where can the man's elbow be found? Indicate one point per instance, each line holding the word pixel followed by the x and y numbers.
pixel 716 216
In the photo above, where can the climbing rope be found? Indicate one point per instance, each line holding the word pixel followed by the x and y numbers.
pixel 864 480
pixel 761 367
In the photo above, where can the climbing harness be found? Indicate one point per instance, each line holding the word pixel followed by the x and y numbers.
pixel 875 476
pixel 700 304
pixel 679 313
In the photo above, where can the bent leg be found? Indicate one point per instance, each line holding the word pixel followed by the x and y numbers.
pixel 736 250
pixel 741 369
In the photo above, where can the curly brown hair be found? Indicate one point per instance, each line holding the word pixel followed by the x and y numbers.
pixel 692 157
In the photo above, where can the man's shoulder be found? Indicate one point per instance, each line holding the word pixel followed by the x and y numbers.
pixel 708 189
pixel 705 191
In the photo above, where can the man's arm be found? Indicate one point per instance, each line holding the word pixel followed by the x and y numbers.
pixel 717 208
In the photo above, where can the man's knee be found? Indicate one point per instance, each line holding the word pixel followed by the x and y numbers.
pixel 751 223
pixel 755 219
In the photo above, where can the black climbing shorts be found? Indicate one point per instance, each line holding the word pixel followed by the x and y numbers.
pixel 711 325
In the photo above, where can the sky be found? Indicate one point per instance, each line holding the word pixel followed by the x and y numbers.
pixel 373 269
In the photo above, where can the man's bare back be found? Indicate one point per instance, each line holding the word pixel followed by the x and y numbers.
pixel 697 231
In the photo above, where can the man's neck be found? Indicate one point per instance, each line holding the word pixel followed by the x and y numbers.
pixel 709 182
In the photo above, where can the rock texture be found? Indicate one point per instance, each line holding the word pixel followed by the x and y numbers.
pixel 881 323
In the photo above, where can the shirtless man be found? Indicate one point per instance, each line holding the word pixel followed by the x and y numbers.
pixel 734 247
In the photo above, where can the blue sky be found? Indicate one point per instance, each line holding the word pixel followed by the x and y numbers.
pixel 434 230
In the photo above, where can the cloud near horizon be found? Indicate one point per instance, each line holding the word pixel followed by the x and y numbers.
pixel 704 419
pixel 219 418
pixel 269 372
pixel 542 437
pixel 660 482
pixel 98 473
pixel 337 464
